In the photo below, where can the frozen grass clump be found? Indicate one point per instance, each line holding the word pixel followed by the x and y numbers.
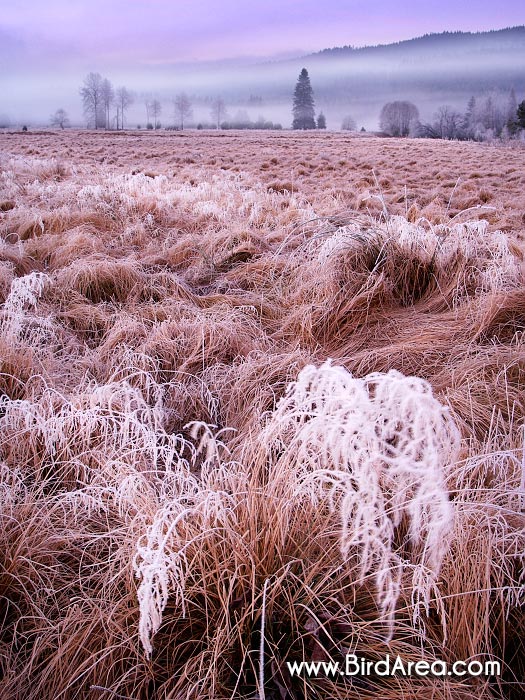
pixel 12 488
pixel 101 279
pixel 195 511
pixel 6 278
pixel 23 297
pixel 161 563
pixel 465 255
pixel 20 171
pixel 77 434
pixel 377 448
pixel 25 292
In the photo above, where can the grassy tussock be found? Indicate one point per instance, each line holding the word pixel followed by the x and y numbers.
pixel 219 410
pixel 101 280
pixel 6 278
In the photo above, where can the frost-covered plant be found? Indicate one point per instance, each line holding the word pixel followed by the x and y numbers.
pixel 25 292
pixel 488 255
pixel 12 487
pixel 220 197
pixel 375 448
pixel 188 516
pixel 112 420
pixel 23 297
pixel 162 564
pixel 372 450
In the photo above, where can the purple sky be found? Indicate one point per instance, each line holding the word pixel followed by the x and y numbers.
pixel 159 31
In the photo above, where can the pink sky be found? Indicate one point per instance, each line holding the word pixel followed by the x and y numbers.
pixel 159 31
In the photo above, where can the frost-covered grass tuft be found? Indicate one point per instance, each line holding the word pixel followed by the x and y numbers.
pixel 376 448
pixel 22 299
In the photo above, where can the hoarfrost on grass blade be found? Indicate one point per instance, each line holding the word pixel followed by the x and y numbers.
pixel 113 418
pixel 23 295
pixel 161 562
pixel 376 447
pixel 373 448
pixel 489 253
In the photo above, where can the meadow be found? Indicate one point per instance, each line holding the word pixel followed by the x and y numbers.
pixel 261 401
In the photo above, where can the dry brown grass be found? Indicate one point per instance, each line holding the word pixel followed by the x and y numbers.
pixel 179 463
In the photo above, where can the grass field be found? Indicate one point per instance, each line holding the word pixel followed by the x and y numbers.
pixel 261 401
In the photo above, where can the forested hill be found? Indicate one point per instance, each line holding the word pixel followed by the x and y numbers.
pixel 500 41
pixel 455 63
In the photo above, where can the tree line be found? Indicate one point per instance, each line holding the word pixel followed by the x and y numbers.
pixel 99 98
pixel 483 120
pixel 105 107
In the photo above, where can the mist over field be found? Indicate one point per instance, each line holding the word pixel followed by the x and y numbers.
pixel 431 71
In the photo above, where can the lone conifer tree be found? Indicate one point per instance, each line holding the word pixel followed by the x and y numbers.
pixel 521 114
pixel 303 103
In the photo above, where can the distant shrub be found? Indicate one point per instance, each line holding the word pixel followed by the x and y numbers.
pixel 261 123
pixel 206 125
pixel 348 124
pixel 398 118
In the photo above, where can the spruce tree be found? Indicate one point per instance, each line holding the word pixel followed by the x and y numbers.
pixel 521 115
pixel 321 121
pixel 469 120
pixel 512 105
pixel 512 123
pixel 303 103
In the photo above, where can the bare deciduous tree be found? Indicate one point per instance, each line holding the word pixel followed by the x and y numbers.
pixel 398 118
pixel 92 99
pixel 155 110
pixel 348 124
pixel 448 123
pixel 218 111
pixel 493 114
pixel 60 119
pixel 108 97
pixel 147 105
pixel 182 108
pixel 124 99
